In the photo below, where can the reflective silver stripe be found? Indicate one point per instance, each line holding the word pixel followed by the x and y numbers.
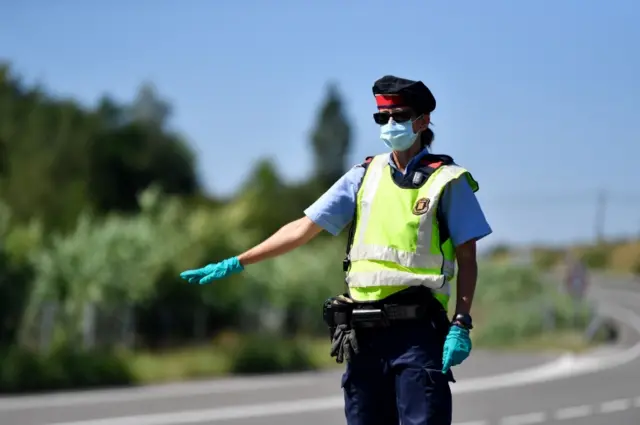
pixel 394 278
pixel 423 257
pixel 371 182
pixel 372 278
pixel 414 260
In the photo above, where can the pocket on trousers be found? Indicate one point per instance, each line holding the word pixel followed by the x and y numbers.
pixel 352 399
pixel 345 380
pixel 424 397
pixel 436 386
pixel 436 379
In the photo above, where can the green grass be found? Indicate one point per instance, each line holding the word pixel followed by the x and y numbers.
pixel 179 364
pixel 237 357
pixel 211 361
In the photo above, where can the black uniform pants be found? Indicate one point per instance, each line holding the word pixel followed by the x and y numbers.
pixel 397 378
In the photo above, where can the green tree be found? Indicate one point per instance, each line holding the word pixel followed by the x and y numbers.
pixel 128 159
pixel 331 139
pixel 260 202
pixel 148 108
pixel 59 158
pixel 106 261
pixel 15 271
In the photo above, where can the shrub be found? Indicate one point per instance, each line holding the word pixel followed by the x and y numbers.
pixel 547 258
pixel 516 303
pixel 63 368
pixel 597 257
pixel 266 353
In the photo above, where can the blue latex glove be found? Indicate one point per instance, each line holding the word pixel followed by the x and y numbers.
pixel 457 347
pixel 214 271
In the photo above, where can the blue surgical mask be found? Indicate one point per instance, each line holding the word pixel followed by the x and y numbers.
pixel 398 137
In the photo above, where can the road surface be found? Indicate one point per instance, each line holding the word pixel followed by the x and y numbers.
pixel 601 388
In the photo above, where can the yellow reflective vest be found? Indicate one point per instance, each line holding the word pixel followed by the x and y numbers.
pixel 396 243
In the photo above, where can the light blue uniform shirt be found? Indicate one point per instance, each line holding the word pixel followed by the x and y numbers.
pixel 334 210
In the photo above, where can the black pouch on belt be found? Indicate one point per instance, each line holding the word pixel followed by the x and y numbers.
pixel 337 311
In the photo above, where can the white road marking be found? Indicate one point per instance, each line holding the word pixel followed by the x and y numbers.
pixel 219 414
pixel 178 390
pixel 526 419
pixel 615 405
pixel 573 412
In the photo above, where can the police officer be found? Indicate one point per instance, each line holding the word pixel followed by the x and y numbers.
pixel 413 215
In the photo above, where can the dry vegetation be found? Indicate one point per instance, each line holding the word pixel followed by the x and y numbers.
pixel 622 256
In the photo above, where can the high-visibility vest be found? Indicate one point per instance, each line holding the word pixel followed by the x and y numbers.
pixel 396 243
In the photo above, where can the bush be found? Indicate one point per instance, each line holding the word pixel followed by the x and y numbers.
pixel 269 353
pixel 517 303
pixel 597 257
pixel 547 258
pixel 63 368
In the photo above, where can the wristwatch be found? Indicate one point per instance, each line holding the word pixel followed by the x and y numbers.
pixel 463 320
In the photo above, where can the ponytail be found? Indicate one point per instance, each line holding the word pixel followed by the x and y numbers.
pixel 426 138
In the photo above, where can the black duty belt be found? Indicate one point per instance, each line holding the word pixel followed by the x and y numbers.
pixel 366 316
pixel 413 304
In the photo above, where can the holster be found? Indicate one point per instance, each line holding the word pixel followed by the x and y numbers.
pixel 337 311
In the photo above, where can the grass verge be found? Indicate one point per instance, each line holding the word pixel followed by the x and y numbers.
pixel 211 361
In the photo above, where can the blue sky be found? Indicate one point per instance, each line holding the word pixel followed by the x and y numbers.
pixel 540 100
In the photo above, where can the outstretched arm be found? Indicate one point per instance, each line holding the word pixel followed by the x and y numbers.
pixel 287 238
pixel 331 212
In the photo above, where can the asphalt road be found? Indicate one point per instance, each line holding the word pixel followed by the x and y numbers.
pixel 601 388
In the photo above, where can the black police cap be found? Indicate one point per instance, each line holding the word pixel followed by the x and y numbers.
pixel 413 94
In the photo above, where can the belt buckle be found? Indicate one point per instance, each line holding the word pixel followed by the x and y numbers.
pixel 369 317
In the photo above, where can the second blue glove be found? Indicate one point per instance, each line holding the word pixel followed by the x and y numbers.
pixel 214 271
pixel 457 347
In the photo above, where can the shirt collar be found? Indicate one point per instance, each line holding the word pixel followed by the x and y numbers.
pixel 412 163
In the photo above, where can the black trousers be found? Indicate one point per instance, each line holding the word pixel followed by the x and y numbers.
pixel 397 377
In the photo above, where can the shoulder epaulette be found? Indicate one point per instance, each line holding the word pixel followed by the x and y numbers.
pixel 436 161
pixel 367 161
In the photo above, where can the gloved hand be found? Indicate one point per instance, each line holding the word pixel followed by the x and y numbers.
pixel 214 271
pixel 344 344
pixel 457 347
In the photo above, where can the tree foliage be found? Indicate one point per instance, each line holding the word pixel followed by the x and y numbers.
pixel 331 139
pixel 70 158
pixel 103 207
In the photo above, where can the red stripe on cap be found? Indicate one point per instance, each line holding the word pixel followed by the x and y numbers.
pixel 388 100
